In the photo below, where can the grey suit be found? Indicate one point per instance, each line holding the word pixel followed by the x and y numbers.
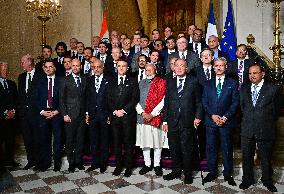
pixel 72 103
pixel 191 58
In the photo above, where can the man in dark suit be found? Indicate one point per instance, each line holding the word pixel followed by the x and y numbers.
pixel 72 107
pixel 126 53
pixel 60 49
pixel 239 68
pixel 50 121
pixel 182 113
pixel 144 41
pixel 171 74
pixel 45 55
pixel 197 42
pixel 80 51
pixel 27 109
pixel 8 107
pixel 140 74
pixel 73 48
pixel 123 96
pixel 182 53
pixel 220 101
pixel 86 64
pixel 213 44
pixel 135 46
pixel 260 105
pixel 110 69
pixel 97 117
pixel 67 65
pixel 170 49
pixel 103 55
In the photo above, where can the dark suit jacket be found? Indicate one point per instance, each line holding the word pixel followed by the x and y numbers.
pixel 41 94
pixel 191 59
pixel 8 98
pixel 72 98
pixel 60 70
pixel 232 70
pixel 27 99
pixel 70 54
pixel 96 103
pixel 260 121
pixel 226 105
pixel 125 98
pixel 190 46
pixel 185 109
pixel 200 75
pixel 166 59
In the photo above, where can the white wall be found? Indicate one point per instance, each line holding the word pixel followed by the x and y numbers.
pixel 259 21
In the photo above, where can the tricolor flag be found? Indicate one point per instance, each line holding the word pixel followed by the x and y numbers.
pixel 228 42
pixel 211 27
pixel 104 34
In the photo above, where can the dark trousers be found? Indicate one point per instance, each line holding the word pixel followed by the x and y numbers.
pixel 75 132
pixel 122 130
pixel 30 132
pixel 7 130
pixel 212 136
pixel 265 148
pixel 48 127
pixel 181 148
pixel 99 141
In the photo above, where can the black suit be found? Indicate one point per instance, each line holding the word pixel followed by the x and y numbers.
pixel 201 76
pixel 125 97
pixel 29 116
pixel 179 113
pixel 49 127
pixel 69 53
pixel 60 70
pixel 7 127
pixel 191 46
pixel 258 127
pixel 96 106
pixel 72 103
pixel 191 58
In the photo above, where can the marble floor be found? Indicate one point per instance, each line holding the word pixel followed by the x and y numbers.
pixel 30 181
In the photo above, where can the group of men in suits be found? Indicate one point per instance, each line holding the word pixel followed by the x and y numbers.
pixel 101 90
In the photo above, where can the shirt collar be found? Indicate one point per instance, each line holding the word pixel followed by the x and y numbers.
pixel 259 85
pixel 205 68
pixel 53 76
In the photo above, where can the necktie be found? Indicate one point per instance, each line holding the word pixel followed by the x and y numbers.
pixel 5 84
pixel 80 58
pixel 240 73
pixel 102 59
pixel 78 81
pixel 196 48
pixel 207 74
pixel 29 81
pixel 180 88
pixel 49 94
pixel 254 95
pixel 126 54
pixel 97 83
pixel 141 75
pixel 115 66
pixel 121 81
pixel 87 67
pixel 73 54
pixel 219 88
pixel 182 56
pixel 67 73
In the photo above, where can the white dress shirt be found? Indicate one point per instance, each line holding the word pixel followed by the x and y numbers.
pixel 259 86
pixel 32 72
pixel 184 53
pixel 222 80
pixel 118 79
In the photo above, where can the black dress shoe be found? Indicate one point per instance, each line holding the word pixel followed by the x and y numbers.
pixel 158 171
pixel 270 187
pixel 209 178
pixel 57 167
pixel 44 168
pixel 145 169
pixel 128 172
pixel 71 169
pixel 230 180
pixel 117 171
pixel 28 166
pixel 188 179
pixel 103 169
pixel 173 175
pixel 80 167
pixel 91 168
pixel 244 185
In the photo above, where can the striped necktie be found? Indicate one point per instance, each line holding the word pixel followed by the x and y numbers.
pixel 180 88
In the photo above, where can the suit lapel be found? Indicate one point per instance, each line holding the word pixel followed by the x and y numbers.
pixel 224 88
pixel 261 93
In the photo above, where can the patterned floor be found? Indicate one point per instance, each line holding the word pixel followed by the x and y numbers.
pixel 29 181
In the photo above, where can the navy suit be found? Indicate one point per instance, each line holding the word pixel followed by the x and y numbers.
pixel 224 105
pixel 96 106
pixel 56 123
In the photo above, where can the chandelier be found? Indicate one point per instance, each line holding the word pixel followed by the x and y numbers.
pixel 44 10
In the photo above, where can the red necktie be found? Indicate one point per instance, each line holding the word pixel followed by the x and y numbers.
pixel 49 94
pixel 67 73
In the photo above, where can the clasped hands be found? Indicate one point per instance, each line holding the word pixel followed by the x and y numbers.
pixel 49 114
pixel 119 113
pixel 218 120
pixel 147 116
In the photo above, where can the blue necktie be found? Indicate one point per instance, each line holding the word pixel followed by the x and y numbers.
pixel 78 81
pixel 207 74
pixel 219 88
pixel 254 95
pixel 180 88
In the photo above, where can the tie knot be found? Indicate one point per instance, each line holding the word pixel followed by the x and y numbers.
pixel 181 80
